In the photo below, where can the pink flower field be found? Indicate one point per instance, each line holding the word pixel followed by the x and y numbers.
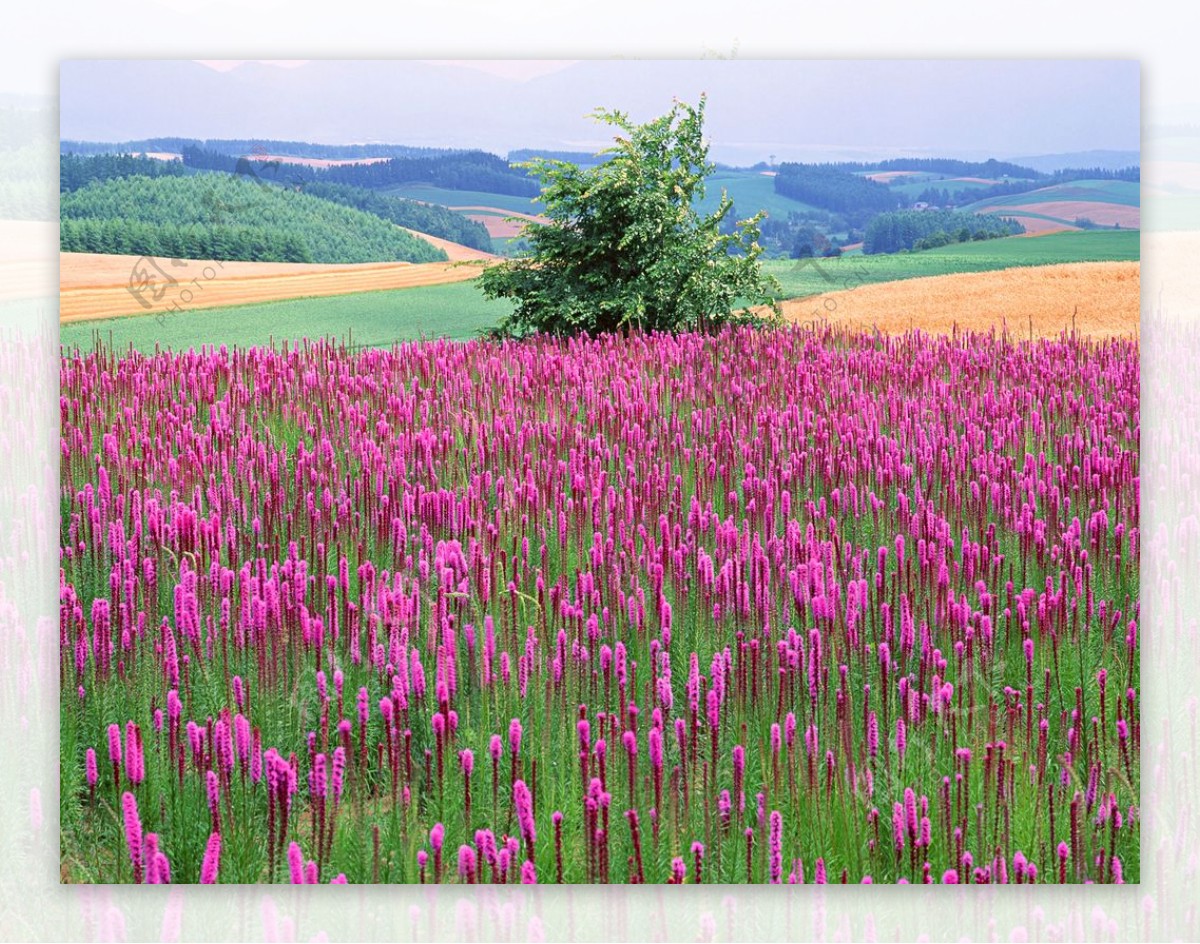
pixel 761 606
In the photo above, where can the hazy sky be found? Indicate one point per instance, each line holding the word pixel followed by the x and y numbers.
pixel 226 65
pixel 792 109
pixel 519 70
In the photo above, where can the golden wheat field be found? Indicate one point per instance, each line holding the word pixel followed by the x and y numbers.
pixel 1100 299
pixel 94 286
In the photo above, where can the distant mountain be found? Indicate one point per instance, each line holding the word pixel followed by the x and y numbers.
pixel 1106 160
pixel 793 109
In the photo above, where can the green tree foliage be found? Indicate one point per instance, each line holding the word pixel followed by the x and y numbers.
pixel 465 170
pixel 423 217
pixel 625 248
pixel 75 171
pixel 472 170
pixel 215 216
pixel 928 229
pixel 169 145
pixel 240 147
pixel 851 195
pixel 782 236
pixel 991 169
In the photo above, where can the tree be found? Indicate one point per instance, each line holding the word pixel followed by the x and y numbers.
pixel 624 246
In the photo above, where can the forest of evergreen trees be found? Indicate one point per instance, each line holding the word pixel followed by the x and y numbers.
pixel 223 241
pixel 467 170
pixel 242 147
pixel 329 152
pixel 167 145
pixel 990 169
pixel 928 229
pixel 423 217
pixel 215 216
pixel 75 171
pixel 471 170
pixel 852 196
pixel 944 196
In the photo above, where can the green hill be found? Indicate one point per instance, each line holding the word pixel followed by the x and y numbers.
pixel 751 191
pixel 427 193
pixel 911 188
pixel 228 218
pixel 1122 192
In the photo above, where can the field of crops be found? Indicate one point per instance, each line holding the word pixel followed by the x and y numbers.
pixel 805 277
pixel 1104 202
pixel 1100 299
pixel 102 287
pixel 461 312
pixel 376 318
pixel 769 606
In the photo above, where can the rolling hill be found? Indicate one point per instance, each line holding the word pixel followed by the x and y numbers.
pixel 1111 203
pixel 219 217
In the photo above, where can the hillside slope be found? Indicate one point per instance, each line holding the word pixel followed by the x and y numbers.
pixel 229 218
pixel 1060 206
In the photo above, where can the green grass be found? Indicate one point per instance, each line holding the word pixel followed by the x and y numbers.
pixel 800 278
pixel 1122 192
pixel 751 192
pixel 372 318
pixel 452 198
pixel 913 187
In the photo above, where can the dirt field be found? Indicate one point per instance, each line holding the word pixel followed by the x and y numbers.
pixel 532 217
pixel 500 224
pixel 1106 214
pixel 455 252
pixel 497 226
pixel 1037 298
pixel 93 286
pixel 1036 226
